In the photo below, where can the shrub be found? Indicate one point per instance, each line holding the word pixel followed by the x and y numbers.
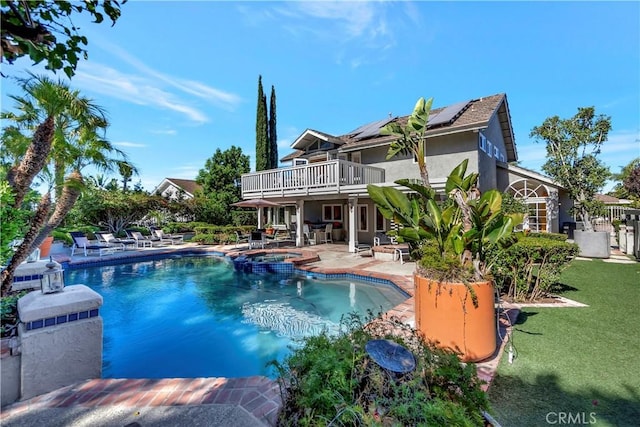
pixel 331 380
pixel 9 314
pixel 529 269
pixel 181 227
pixel 215 234
pixel 551 236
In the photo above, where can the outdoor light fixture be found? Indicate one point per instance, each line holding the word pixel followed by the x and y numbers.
pixel 52 279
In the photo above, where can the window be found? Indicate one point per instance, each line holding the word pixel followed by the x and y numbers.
pixel 381 224
pixel 363 218
pixel 482 142
pixel 297 162
pixel 332 213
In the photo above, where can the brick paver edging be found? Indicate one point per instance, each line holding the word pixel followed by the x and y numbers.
pixel 258 395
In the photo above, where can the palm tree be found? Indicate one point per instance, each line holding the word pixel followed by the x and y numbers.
pixel 67 137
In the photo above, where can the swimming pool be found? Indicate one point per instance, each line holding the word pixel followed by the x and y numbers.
pixel 195 316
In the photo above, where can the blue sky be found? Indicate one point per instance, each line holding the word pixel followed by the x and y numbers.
pixel 179 79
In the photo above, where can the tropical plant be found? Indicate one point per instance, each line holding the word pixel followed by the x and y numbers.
pixel 66 138
pixel 573 146
pixel 466 226
pixel 411 138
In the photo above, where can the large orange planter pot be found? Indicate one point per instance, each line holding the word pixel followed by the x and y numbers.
pixel 45 247
pixel 446 315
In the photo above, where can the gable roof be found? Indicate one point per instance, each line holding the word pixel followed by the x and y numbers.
pixel 460 117
pixel 189 186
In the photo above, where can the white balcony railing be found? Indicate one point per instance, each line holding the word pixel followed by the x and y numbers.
pixel 324 177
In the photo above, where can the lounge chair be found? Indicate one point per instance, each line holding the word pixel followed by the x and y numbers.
pixel 80 241
pixel 363 247
pixel 172 238
pixel 141 240
pixel 111 240
pixel 384 239
pixel 256 238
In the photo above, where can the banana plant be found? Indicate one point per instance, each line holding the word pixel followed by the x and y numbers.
pixel 468 225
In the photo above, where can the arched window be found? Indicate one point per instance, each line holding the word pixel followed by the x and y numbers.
pixel 535 195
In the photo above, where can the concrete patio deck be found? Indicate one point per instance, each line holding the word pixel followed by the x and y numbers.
pixel 250 401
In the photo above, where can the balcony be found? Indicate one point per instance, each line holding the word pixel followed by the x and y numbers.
pixel 331 177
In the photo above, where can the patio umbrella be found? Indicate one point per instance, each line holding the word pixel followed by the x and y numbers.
pixel 256 203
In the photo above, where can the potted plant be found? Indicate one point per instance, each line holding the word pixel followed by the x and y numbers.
pixel 572 147
pixel 269 229
pixel 454 292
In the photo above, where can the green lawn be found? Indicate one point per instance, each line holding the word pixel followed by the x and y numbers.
pixel 582 364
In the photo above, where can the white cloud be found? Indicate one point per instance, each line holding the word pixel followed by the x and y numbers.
pixel 219 97
pixel 350 27
pixel 165 131
pixel 135 89
pixel 129 144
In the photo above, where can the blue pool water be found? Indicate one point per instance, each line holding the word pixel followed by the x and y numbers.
pixel 197 317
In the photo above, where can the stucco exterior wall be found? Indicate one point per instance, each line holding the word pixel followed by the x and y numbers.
pixel 61 339
pixel 9 375
pixel 443 154
pixel 491 149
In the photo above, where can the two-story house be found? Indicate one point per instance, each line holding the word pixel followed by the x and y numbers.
pixel 328 176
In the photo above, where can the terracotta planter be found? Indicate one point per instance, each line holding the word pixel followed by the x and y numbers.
pixel 269 231
pixel 446 315
pixel 45 247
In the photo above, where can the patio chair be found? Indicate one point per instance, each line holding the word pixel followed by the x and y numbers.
pixel 241 238
pixel 80 241
pixel 327 234
pixel 256 238
pixel 282 237
pixel 383 239
pixel 172 238
pixel 401 252
pixel 309 237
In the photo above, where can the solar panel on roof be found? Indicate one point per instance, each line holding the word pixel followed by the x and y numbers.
pixel 370 129
pixel 449 114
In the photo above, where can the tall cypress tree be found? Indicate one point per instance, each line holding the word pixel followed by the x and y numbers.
pixel 262 132
pixel 273 135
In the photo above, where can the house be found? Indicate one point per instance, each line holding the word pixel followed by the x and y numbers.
pixel 328 176
pixel 177 189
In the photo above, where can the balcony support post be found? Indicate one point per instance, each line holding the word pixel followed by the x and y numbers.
pixel 299 223
pixel 353 224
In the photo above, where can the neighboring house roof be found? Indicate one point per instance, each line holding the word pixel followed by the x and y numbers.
pixel 530 174
pixel 189 186
pixel 611 200
pixel 460 117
